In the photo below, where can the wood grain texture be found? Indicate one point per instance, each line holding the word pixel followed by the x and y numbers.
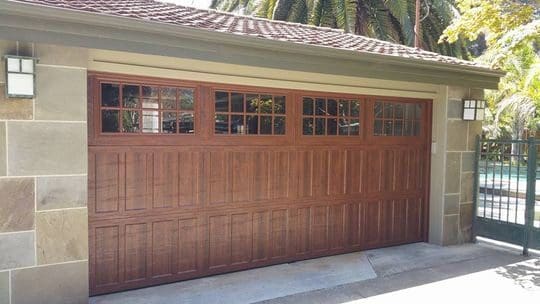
pixel 175 208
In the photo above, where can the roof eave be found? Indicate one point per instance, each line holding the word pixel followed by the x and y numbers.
pixel 178 31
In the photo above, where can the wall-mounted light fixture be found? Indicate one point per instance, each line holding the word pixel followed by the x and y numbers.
pixel 20 76
pixel 473 109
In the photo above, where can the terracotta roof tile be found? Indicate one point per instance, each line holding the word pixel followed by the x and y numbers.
pixel 245 25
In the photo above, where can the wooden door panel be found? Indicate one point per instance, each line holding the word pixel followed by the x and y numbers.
pixel 166 175
pixel 219 237
pixel 189 168
pixel 138 178
pixel 280 233
pixel 106 255
pixel 241 238
pixel 136 252
pixel 107 183
pixel 261 235
pixel 188 245
pixel 163 248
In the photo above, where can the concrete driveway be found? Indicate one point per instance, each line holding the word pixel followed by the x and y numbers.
pixel 401 274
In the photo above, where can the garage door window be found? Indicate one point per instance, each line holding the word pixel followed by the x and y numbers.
pixel 241 113
pixel 330 116
pixel 397 119
pixel 146 109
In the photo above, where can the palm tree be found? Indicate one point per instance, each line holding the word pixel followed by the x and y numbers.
pixel 390 20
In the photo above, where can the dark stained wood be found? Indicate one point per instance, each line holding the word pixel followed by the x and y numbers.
pixel 164 208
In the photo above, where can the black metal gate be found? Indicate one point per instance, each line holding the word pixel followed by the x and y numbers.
pixel 507 205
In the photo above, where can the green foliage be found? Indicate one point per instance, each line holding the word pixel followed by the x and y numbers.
pixel 512 31
pixel 390 20
pixel 492 17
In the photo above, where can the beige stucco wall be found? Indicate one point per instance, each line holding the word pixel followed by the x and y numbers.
pixel 43 158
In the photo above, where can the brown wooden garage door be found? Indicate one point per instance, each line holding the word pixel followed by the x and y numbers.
pixel 192 179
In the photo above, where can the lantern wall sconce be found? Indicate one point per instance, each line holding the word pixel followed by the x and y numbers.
pixel 474 109
pixel 20 76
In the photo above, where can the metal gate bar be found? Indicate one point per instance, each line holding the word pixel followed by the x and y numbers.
pixel 506 205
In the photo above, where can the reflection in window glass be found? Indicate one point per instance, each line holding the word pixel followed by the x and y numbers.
pixel 110 94
pixel 109 121
pixel 237 102
pixel 150 122
pixel 187 99
pixel 330 116
pixel 397 118
pixel 221 124
pixel 186 122
pixel 130 121
pixel 146 109
pixel 266 124
pixel 249 113
pixel 168 122
pixel 237 124
pixel 130 96
pixel 279 125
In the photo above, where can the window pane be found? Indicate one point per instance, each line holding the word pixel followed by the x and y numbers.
pixel 109 121
pixel 266 125
pixel 279 105
pixel 331 127
pixel 237 102
pixel 150 103
pixel 237 124
pixel 186 99
pixel 307 126
pixel 110 94
pixel 343 108
pixel 252 125
pixel 410 112
pixel 279 125
pixel 332 107
pixel 355 127
pixel 168 93
pixel 355 108
pixel 168 122
pixel 168 104
pixel 308 106
pixel 378 109
pixel 418 111
pixel 320 126
pixel 186 123
pixel 388 110
pixel 130 96
pixel 320 106
pixel 222 102
pixel 408 128
pixel 150 122
pixel 221 124
pixel 377 128
pixel 416 128
pixel 343 127
pixel 252 102
pixel 398 128
pixel 265 104
pixel 130 121
pixel 150 92
pixel 398 111
pixel 388 127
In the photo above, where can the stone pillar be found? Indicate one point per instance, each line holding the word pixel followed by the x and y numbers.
pixel 43 181
pixel 459 167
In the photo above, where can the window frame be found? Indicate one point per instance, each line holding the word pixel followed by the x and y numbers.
pixel 204 116
pixel 97 137
pixel 425 120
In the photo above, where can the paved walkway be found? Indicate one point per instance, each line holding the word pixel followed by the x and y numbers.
pixel 417 272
